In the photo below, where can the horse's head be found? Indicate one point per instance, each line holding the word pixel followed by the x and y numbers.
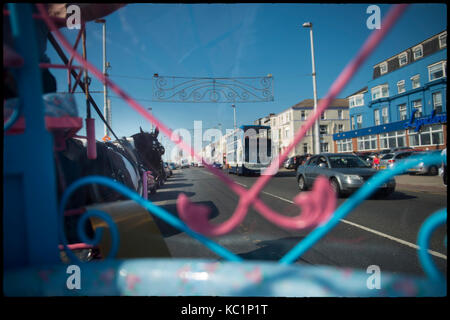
pixel 148 146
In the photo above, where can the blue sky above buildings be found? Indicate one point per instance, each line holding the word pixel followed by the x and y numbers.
pixel 237 40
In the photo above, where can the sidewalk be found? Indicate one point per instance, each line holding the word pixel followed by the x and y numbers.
pixel 420 183
pixel 417 183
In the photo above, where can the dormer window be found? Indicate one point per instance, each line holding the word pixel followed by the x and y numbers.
pixel 418 52
pixel 403 59
pixel 383 68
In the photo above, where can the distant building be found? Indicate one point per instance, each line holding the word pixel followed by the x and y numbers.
pixel 286 123
pixel 404 104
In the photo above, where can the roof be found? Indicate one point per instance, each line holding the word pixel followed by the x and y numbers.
pixel 309 103
pixel 357 92
pixel 410 48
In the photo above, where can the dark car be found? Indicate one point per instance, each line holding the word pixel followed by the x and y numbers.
pixel 294 162
pixel 346 172
pixel 217 165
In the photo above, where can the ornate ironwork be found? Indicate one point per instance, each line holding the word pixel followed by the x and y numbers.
pixel 212 90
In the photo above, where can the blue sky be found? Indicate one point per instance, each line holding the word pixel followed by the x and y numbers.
pixel 236 40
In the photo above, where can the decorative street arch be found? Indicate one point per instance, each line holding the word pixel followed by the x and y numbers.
pixel 212 90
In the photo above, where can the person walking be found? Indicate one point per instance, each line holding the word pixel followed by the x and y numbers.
pixel 376 162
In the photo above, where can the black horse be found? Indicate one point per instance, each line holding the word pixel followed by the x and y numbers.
pixel 122 160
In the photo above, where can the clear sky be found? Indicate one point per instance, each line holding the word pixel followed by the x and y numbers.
pixel 236 40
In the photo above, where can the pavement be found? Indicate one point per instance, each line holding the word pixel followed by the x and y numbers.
pixel 418 183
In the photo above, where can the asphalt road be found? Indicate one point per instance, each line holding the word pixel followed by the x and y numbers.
pixel 380 232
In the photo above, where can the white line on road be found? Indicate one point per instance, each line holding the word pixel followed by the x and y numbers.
pixel 381 234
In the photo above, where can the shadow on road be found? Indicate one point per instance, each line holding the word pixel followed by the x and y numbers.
pixel 167 230
pixel 273 250
pixel 291 173
pixel 176 185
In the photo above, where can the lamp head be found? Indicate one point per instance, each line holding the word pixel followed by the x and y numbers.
pixel 307 25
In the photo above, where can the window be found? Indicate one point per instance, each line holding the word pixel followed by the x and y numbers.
pixel 324 147
pixel 393 139
pixel 429 135
pixel 305 148
pixel 443 40
pixel 353 123
pixel 340 128
pixel 286 132
pixel 367 142
pixel 303 115
pixel 403 59
pixel 385 115
pixel 322 116
pixel 340 115
pixel 376 116
pixel 401 86
pixel 380 92
pixel 383 68
pixel 437 70
pixel 402 112
pixel 344 145
pixel 437 102
pixel 323 129
pixel 356 101
pixel 417 52
pixel 415 81
pixel 359 122
pixel 417 108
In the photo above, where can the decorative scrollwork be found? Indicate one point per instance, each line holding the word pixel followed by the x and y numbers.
pixel 212 90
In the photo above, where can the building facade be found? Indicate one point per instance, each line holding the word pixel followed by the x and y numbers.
pixel 404 105
pixel 285 124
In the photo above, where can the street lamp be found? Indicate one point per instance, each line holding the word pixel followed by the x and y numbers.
pixel 106 106
pixel 234 113
pixel 316 142
pixel 150 109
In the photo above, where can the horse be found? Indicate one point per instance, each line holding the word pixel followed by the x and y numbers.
pixel 122 160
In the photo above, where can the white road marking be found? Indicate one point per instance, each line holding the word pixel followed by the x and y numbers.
pixel 378 233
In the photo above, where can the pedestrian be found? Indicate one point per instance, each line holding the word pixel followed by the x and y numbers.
pixel 376 162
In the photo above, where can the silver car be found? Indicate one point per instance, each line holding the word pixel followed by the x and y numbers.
pixel 422 168
pixel 346 172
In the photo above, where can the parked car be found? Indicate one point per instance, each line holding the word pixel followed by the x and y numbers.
pixel 389 159
pixel 199 164
pixel 172 166
pixel 184 164
pixel 346 172
pixel 421 168
pixel 294 162
pixel 217 165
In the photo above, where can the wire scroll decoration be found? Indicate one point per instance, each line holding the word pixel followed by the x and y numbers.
pixel 212 90
pixel 318 207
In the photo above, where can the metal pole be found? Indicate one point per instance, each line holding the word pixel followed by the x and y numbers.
pixel 234 113
pixel 106 107
pixel 316 124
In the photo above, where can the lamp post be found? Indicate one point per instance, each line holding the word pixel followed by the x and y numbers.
pixel 106 106
pixel 150 109
pixel 234 114
pixel 316 141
